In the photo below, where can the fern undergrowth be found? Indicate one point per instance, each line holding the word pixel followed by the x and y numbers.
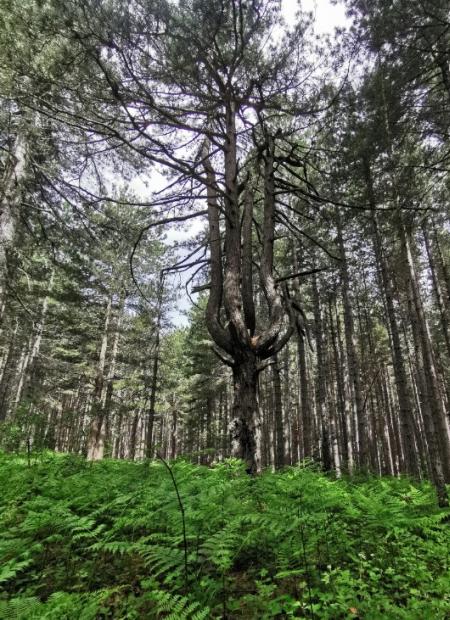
pixel 105 540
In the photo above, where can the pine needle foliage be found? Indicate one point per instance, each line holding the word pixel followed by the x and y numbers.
pixel 105 540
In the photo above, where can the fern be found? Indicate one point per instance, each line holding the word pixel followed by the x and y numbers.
pixel 105 541
pixel 177 607
pixel 221 548
pixel 10 569
pixel 114 546
pixel 19 608
pixel 165 562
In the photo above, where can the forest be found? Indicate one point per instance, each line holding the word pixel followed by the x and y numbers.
pixel 224 309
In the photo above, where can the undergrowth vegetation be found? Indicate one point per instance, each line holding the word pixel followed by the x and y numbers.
pixel 109 540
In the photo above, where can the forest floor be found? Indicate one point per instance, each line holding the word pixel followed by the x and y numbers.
pixel 110 540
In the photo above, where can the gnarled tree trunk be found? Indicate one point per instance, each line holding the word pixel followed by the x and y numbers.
pixel 239 343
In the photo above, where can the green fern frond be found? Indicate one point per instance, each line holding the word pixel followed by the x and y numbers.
pixel 12 568
pixel 177 607
pixel 19 608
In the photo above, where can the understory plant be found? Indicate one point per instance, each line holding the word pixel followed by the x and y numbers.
pixel 110 540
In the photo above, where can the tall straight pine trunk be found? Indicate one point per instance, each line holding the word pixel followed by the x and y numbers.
pixel 352 354
pixel 436 424
pixel 10 197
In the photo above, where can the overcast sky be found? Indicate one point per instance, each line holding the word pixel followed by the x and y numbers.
pixel 328 16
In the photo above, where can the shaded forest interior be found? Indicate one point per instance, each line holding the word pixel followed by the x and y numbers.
pixel 224 242
pixel 316 171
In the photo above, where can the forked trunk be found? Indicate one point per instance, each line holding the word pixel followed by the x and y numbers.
pixel 245 425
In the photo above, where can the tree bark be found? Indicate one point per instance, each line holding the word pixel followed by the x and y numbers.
pixel 420 325
pixel 95 445
pixel 245 426
pixel 8 373
pixel 10 197
pixel 108 392
pixel 154 375
pixel 437 289
pixel 278 413
pixel 321 410
pixel 352 355
pixel 232 284
pixel 345 447
pixel 305 398
pixel 26 381
pixel 406 409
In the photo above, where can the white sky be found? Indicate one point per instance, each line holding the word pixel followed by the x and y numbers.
pixel 327 15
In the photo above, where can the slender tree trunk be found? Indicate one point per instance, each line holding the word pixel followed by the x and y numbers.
pixel 118 434
pixel 305 401
pixel 437 290
pixel 321 410
pixel 154 375
pixel 95 445
pixel 381 414
pixel 226 448
pixel 306 414
pixel 108 392
pixel 352 355
pixel 368 363
pixel 133 436
pixel 10 197
pixel 278 412
pixel 287 407
pixel 341 400
pixel 27 379
pixel 8 373
pixel 173 432
pixel 420 325
pixel 443 268
pixel 349 413
pixel 209 440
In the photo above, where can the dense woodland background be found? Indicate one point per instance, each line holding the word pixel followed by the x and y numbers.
pixel 93 359
pixel 224 250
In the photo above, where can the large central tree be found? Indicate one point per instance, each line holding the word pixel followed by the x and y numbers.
pixel 215 94
pixel 201 89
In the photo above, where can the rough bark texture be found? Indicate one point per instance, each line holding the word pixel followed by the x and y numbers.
pixel 239 342
pixel 406 409
pixel 437 290
pixel 245 425
pixel 420 326
pixel 340 389
pixel 352 355
pixel 154 375
pixel 96 440
pixel 10 196
pixel 321 372
pixel 278 412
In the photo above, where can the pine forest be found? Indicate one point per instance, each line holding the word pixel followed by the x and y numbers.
pixel 225 309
